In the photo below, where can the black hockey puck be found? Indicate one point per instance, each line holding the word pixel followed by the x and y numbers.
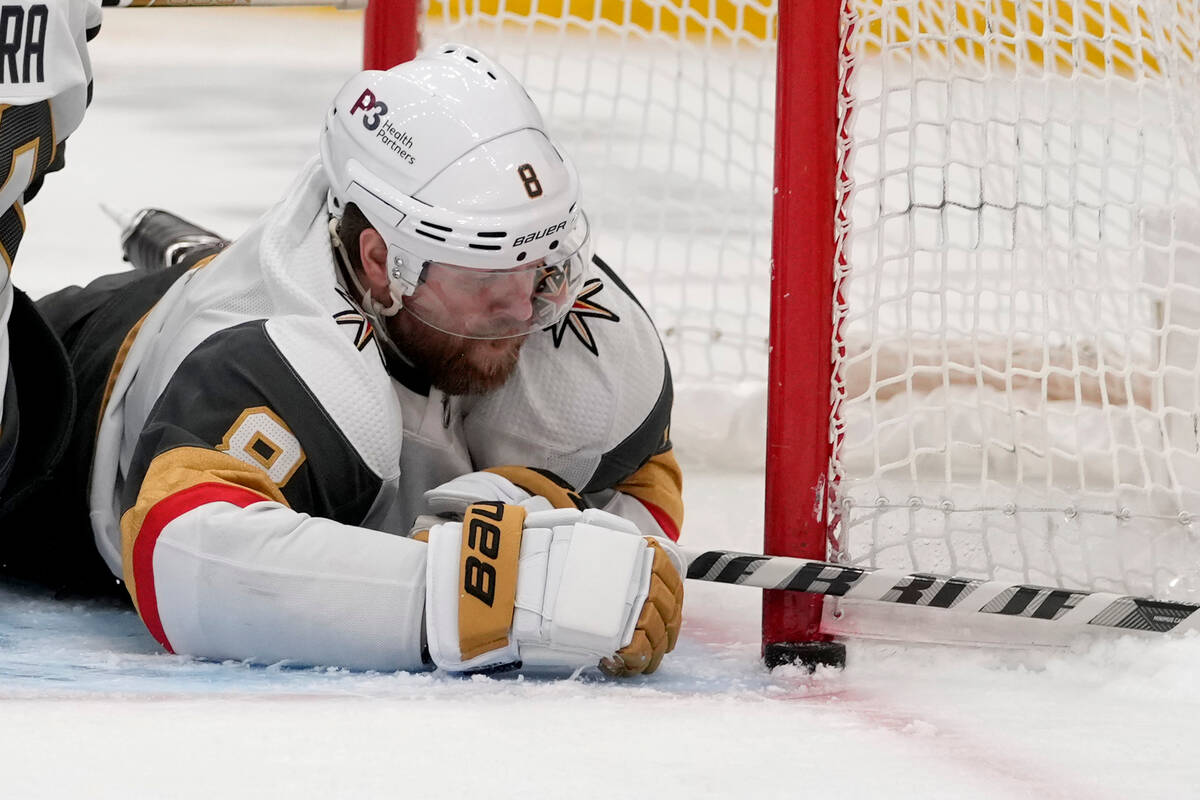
pixel 809 655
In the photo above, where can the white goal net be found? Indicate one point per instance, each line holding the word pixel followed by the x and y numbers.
pixel 667 109
pixel 1017 391
pixel 1017 315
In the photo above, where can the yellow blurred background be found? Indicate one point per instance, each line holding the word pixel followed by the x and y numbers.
pixel 1064 36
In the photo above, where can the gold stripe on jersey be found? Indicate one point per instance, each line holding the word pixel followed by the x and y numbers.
pixel 174 471
pixel 658 482
pixel 488 559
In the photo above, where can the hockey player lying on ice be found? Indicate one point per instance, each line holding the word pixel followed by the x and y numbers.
pixel 418 326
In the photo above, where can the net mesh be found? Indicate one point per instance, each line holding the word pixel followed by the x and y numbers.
pixel 667 109
pixel 1019 288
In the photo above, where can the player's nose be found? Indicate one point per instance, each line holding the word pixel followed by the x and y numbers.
pixel 511 296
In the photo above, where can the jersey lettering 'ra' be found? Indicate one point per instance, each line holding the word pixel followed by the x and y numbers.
pixel 23 43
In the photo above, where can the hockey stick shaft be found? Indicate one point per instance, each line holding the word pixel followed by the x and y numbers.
pixel 195 3
pixel 963 595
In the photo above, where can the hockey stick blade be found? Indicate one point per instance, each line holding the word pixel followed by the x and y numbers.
pixel 197 3
pixel 964 595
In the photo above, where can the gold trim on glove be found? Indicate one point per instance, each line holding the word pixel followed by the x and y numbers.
pixel 543 483
pixel 487 574
pixel 657 626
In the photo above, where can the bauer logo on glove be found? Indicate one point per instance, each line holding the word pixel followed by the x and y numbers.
pixel 488 569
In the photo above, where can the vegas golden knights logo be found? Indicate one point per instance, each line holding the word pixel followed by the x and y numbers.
pixel 576 320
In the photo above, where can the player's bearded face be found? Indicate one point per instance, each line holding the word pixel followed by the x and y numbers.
pixel 495 308
pixel 456 365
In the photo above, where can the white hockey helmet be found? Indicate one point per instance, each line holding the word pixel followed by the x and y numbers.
pixel 448 159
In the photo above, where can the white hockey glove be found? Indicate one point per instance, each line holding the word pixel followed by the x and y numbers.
pixel 558 590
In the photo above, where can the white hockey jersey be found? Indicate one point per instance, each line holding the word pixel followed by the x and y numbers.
pixel 257 465
pixel 45 86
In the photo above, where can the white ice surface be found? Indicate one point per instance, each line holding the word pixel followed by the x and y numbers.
pixel 209 113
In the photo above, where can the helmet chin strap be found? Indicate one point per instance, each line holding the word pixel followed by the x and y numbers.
pixel 368 301
pixel 370 308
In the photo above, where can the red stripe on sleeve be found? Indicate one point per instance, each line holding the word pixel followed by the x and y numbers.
pixel 663 519
pixel 163 512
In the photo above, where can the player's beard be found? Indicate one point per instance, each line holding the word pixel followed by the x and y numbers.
pixel 454 364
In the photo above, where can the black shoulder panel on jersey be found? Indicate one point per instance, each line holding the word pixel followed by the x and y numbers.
pixel 651 437
pixel 240 370
pixel 646 441
pixel 616 281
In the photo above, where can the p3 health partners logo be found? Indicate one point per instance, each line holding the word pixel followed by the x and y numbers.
pixel 373 113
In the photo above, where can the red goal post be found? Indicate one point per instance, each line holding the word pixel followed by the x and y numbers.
pixel 391 32
pixel 798 448
pixel 1008 383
